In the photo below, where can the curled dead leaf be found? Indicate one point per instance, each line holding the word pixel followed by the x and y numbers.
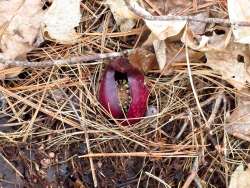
pixel 61 19
pixel 124 18
pixel 176 53
pixel 159 48
pixel 162 29
pixel 165 29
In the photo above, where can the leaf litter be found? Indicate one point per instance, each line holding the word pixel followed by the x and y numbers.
pixel 57 110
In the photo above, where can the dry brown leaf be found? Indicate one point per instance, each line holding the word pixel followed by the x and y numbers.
pixel 216 38
pixel 143 59
pixel 159 48
pixel 162 29
pixel 239 121
pixel 165 29
pixel 239 11
pixel 231 60
pixel 174 52
pixel 172 6
pixel 20 26
pixel 231 63
pixel 149 41
pixel 240 178
pixel 61 19
pixel 124 18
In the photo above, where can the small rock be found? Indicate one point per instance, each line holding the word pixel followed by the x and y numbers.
pixel 51 155
pixel 99 164
pixel 152 110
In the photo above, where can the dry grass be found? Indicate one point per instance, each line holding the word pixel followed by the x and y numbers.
pixel 57 109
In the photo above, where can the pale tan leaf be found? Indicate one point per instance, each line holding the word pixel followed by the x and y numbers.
pixel 160 52
pixel 61 19
pixel 165 29
pixel 231 63
pixel 239 121
pixel 162 29
pixel 230 60
pixel 20 26
pixel 239 11
pixel 149 41
pixel 216 38
pixel 240 178
pixel 124 18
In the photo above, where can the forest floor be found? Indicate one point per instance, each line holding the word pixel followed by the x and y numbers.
pixel 55 132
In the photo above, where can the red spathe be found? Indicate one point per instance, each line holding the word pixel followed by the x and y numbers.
pixel 139 92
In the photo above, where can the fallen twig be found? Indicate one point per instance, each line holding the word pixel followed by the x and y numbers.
pixel 139 11
pixel 67 61
pixel 141 154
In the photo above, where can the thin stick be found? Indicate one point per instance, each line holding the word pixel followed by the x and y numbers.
pixel 141 154
pixel 67 61
pixel 192 83
pixel 139 11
